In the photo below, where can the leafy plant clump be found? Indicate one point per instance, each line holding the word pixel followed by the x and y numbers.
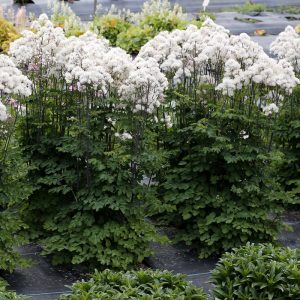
pixel 14 191
pixel 250 7
pixel 287 138
pixel 134 38
pixel 7 34
pixel 110 26
pixel 218 185
pixel 255 272
pixel 285 9
pixel 160 15
pixel 142 284
pixel 8 295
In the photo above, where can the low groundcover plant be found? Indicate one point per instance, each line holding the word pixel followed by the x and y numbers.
pixel 142 284
pixel 255 272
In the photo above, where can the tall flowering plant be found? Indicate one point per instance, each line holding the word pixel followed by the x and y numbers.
pixel 223 100
pixel 14 188
pixel 286 47
pixel 84 134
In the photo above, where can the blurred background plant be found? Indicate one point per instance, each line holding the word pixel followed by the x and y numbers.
pixel 7 34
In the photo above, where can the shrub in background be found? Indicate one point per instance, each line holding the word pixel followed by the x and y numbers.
pixel 134 38
pixel 160 15
pixel 110 26
pixel 255 272
pixel 7 34
pixel 250 7
pixel 64 17
pixel 142 284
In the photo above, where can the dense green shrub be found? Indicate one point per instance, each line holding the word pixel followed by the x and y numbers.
pixel 14 191
pixel 217 187
pixel 256 272
pixel 143 284
pixel 287 138
pixel 134 38
pixel 110 26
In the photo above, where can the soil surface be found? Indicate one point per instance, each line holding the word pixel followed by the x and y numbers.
pixel 42 281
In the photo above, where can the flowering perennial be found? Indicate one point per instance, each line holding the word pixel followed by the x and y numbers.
pixel 287 46
pixel 211 55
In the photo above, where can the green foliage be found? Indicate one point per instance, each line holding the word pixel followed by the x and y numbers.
pixel 162 22
pixel 110 26
pixel 88 194
pixel 287 138
pixel 8 295
pixel 156 16
pixel 134 38
pixel 14 190
pixel 64 17
pixel 217 187
pixel 250 7
pixel 286 9
pixel 142 284
pixel 256 272
pixel 7 34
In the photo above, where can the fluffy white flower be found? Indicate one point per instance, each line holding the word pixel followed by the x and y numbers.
pixel 36 50
pixel 81 60
pixel 270 109
pixel 145 86
pixel 3 112
pixel 11 79
pixel 124 136
pixel 167 120
pixel 287 46
pixel 118 64
pixel 244 135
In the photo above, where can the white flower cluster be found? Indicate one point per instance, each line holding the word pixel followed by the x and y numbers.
pixel 11 79
pixel 89 62
pixel 167 121
pixel 270 109
pixel 265 71
pixel 124 136
pixel 211 55
pixel 193 53
pixel 80 59
pixel 145 85
pixel 37 49
pixel 287 46
pixel 3 112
